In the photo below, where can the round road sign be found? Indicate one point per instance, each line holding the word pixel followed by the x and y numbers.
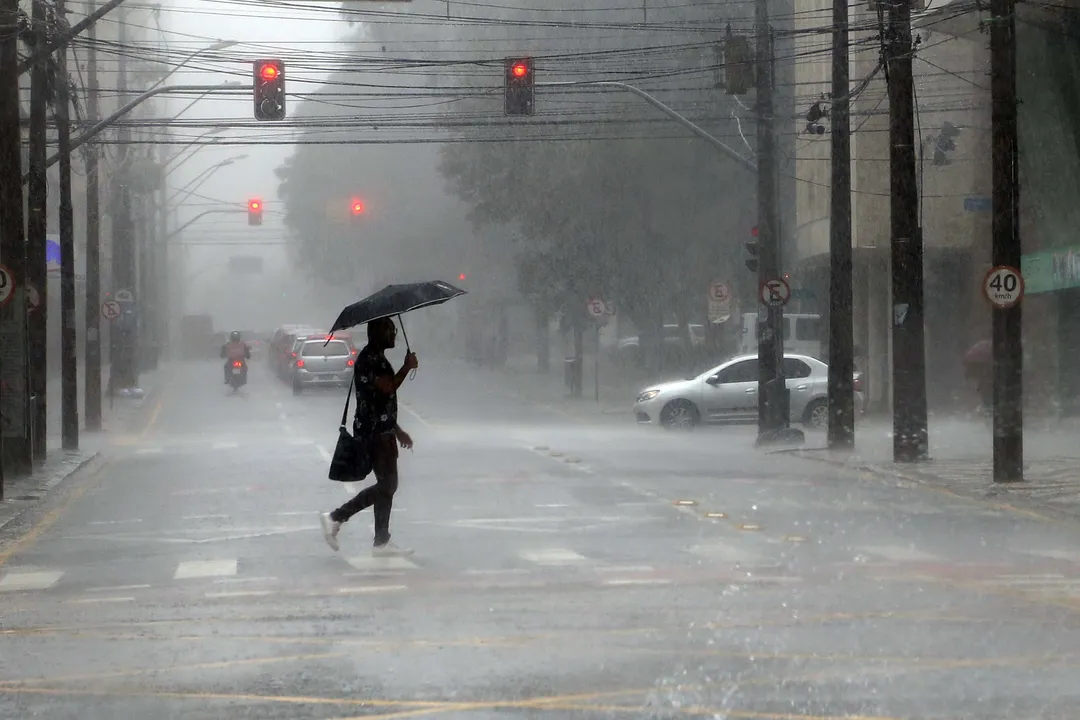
pixel 774 292
pixel 7 285
pixel 110 310
pixel 33 297
pixel 1003 286
pixel 719 292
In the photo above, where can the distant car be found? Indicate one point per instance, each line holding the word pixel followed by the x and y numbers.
pixel 281 356
pixel 727 393
pixel 322 362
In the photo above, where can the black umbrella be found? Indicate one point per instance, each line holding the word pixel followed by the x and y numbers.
pixel 395 300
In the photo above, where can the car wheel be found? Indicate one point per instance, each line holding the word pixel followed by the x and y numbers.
pixel 816 415
pixel 679 415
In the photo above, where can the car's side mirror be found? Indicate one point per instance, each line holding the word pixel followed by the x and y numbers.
pixel 714 380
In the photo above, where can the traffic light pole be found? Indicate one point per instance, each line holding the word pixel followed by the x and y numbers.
pixel 910 436
pixel 773 399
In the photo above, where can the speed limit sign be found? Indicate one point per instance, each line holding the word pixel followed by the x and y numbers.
pixel 7 285
pixel 1003 286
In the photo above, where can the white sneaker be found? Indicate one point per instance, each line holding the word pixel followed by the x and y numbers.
pixel 390 550
pixel 330 530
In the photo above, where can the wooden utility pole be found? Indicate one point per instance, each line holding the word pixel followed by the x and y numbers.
pixel 69 377
pixel 1006 246
pixel 92 362
pixel 910 438
pixel 37 222
pixel 15 451
pixel 841 433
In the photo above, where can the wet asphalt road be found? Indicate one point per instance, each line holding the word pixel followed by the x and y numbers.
pixel 562 570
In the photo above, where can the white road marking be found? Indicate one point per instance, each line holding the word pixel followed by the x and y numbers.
pixel 224 445
pixel 372 589
pixel 236 581
pixel 115 588
pixel 626 569
pixel 326 456
pixel 238 593
pixel 1056 554
pixel 149 451
pixel 299 512
pixel 84 601
pixel 205 517
pixel 551 505
pixel 29 580
pixel 724 552
pixel 116 522
pixel 506 571
pixel 638 581
pixel 204 568
pixel 553 556
pixel 900 553
pixel 370 563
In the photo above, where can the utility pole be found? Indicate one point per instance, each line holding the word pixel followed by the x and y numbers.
pixel 910 438
pixel 15 451
pixel 1007 250
pixel 841 433
pixel 773 399
pixel 37 223
pixel 92 360
pixel 123 370
pixel 69 373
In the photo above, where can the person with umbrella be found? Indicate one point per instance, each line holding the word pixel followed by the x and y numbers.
pixel 376 421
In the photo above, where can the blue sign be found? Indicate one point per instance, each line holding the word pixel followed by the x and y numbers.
pixel 978 204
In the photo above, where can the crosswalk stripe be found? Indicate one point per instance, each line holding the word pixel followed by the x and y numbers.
pixel 225 445
pixel 204 568
pixel 900 553
pixel 29 580
pixel 553 556
pixel 370 563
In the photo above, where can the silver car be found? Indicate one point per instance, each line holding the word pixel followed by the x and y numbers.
pixel 319 362
pixel 728 393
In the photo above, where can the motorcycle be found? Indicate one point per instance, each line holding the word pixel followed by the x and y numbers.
pixel 238 374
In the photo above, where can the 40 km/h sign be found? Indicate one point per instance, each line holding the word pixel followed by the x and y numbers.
pixel 1003 287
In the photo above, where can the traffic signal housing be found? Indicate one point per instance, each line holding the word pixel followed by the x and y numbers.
pixel 269 89
pixel 738 64
pixel 255 210
pixel 753 251
pixel 519 86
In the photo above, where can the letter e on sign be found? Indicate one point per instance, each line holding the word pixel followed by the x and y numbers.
pixel 1003 286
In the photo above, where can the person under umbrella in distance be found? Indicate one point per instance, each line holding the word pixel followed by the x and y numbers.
pixel 377 419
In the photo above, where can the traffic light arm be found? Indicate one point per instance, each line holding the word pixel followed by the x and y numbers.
pixel 96 129
pixel 685 122
pixel 204 213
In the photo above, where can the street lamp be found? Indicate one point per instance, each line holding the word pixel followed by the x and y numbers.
pixel 204 176
pixel 219 45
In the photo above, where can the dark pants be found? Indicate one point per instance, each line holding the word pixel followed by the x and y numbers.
pixel 384 460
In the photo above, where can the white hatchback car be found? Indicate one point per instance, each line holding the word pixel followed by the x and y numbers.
pixel 728 393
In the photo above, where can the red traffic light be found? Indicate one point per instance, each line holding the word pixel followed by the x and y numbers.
pixel 269 71
pixel 357 207
pixel 255 205
pixel 754 231
pixel 519 69
pixel 461 276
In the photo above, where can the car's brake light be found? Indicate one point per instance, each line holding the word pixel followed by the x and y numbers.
pixel 351 362
pixel 299 363
pixel 237 364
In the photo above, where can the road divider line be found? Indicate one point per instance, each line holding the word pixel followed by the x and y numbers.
pixel 238 593
pixel 370 589
pixel 117 588
pixel 638 581
pixel 86 601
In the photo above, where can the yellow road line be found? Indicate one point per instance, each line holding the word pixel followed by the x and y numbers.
pixel 49 519
pixel 153 419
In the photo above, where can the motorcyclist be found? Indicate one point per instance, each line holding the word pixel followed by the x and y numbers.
pixel 234 350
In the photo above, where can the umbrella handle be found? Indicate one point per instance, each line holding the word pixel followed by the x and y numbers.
pixel 406 336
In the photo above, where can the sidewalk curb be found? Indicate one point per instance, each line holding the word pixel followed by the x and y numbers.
pixel 33 494
pixel 1021 506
